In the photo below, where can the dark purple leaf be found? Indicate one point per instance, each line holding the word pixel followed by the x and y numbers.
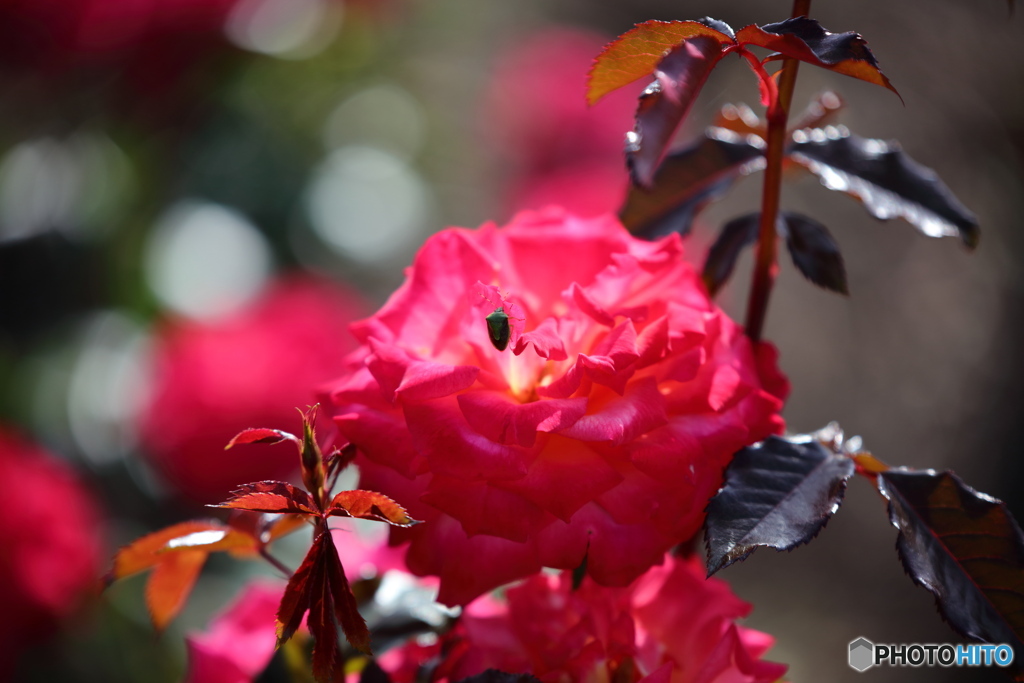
pixel 495 676
pixel 815 253
pixel 963 546
pixel 779 494
pixel 372 673
pixel 718 25
pixel 687 181
pixel 888 182
pixel 735 235
pixel 805 39
pixel 678 79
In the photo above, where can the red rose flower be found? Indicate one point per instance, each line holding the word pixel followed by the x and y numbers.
pixel 251 369
pixel 600 433
pixel 50 535
pixel 670 625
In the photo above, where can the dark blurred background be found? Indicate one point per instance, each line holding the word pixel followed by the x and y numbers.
pixel 190 190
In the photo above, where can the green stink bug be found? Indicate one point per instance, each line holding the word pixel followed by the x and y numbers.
pixel 498 328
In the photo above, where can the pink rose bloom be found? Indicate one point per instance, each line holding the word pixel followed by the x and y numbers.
pixel 553 147
pixel 239 642
pixel 671 625
pixel 600 432
pixel 250 369
pixel 50 538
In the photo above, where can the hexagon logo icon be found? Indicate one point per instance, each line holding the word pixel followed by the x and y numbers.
pixel 862 654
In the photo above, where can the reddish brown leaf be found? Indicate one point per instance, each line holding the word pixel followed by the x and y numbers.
pixel 228 540
pixel 320 620
pixel 177 554
pixel 805 39
pixel 319 586
pixel 369 505
pixel 144 552
pixel 270 496
pixel 261 436
pixel 171 582
pixel 295 600
pixel 636 53
pixel 346 608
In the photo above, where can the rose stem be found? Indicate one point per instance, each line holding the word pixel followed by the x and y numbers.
pixel 765 266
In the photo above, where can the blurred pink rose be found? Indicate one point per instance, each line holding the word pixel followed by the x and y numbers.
pixel 553 148
pixel 670 625
pixel 601 432
pixel 240 641
pixel 50 535
pixel 251 369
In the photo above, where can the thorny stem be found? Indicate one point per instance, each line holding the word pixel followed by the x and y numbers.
pixel 265 554
pixel 765 266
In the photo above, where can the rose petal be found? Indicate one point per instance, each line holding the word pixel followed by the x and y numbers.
pixel 579 296
pixel 503 420
pixel 619 419
pixel 468 567
pixel 421 314
pixel 616 554
pixel 240 641
pixel 564 478
pixel 441 434
pixel 402 376
pixel 545 339
pixel 382 436
pixel 486 509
